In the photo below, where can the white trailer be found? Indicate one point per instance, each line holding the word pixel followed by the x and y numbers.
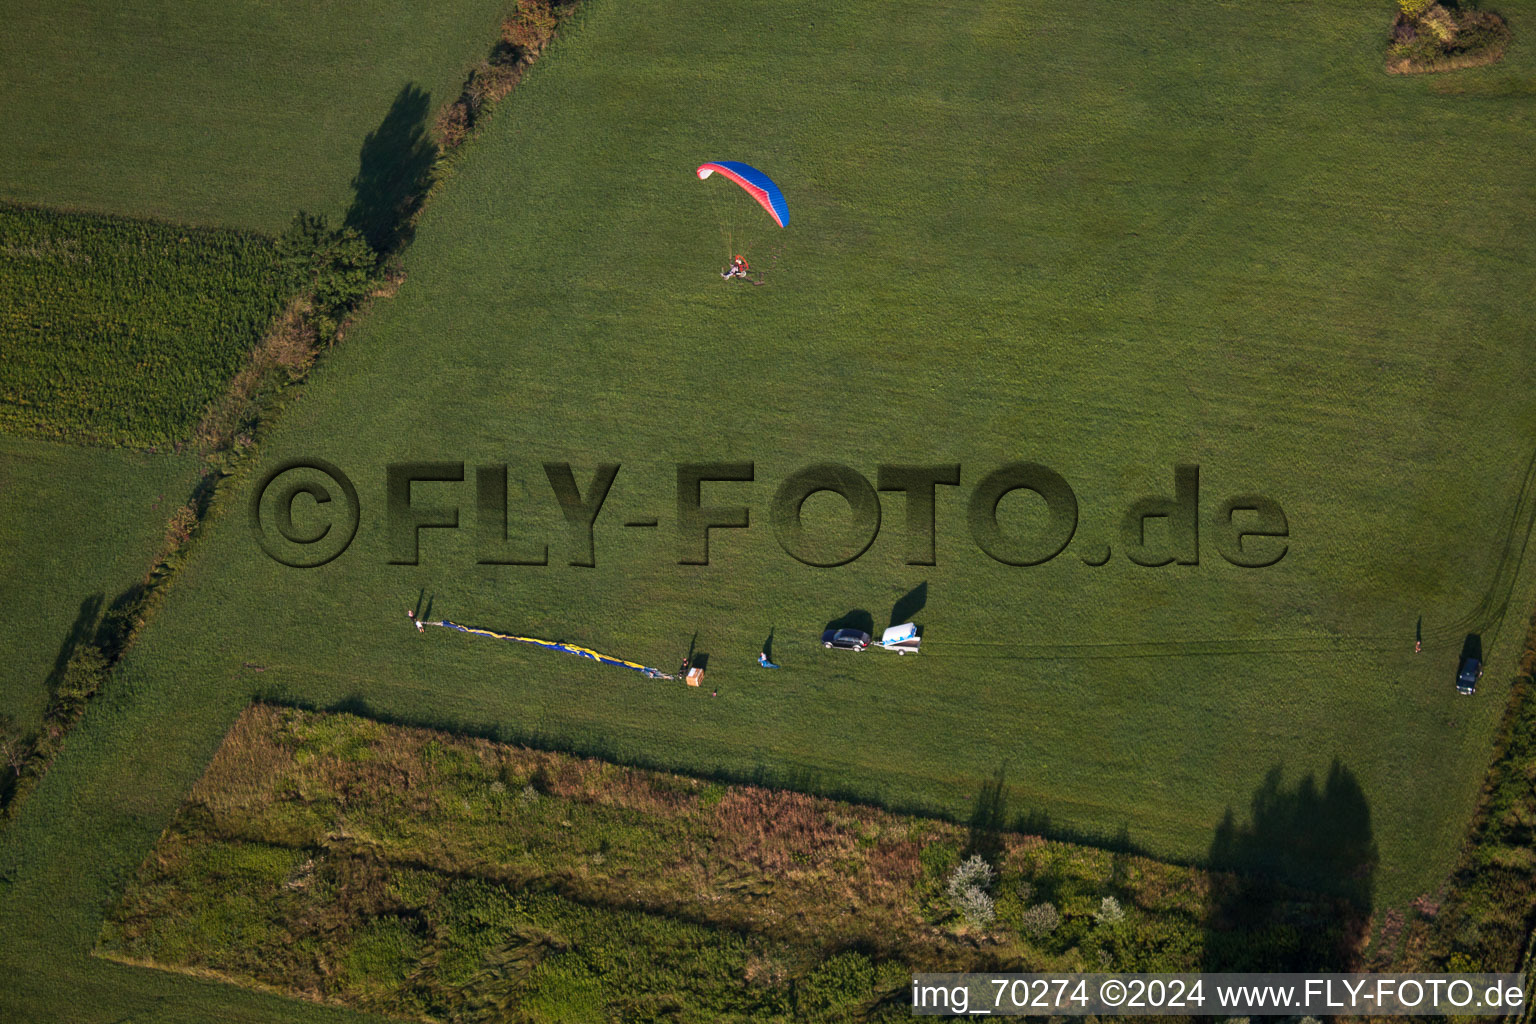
pixel 901 639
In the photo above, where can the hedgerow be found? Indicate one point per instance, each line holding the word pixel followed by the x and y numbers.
pixel 1482 920
pixel 122 331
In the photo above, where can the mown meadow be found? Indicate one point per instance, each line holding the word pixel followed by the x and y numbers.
pixel 211 113
pixel 81 527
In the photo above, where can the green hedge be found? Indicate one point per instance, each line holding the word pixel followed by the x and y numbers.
pixel 122 331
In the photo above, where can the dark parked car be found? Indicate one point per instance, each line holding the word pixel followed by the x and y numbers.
pixel 847 639
pixel 1467 676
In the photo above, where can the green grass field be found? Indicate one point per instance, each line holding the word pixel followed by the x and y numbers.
pixel 81 526
pixel 216 113
pixel 1093 239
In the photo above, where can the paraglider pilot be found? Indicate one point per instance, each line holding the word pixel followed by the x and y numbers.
pixel 738 268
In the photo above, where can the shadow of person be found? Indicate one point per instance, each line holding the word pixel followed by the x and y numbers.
pixel 914 601
pixel 1291 889
pixel 394 171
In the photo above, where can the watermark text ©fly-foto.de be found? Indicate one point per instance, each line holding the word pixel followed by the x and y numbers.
pixel 305 512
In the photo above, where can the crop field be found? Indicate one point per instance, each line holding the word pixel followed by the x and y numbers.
pixel 123 331
pixel 1104 243
pixel 81 526
pixel 229 114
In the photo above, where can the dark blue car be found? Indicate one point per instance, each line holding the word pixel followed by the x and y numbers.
pixel 1468 674
pixel 846 639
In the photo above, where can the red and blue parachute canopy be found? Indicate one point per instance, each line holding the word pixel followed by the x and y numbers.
pixel 758 185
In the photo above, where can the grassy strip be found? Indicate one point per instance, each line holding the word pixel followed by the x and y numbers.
pixel 1483 917
pixel 97 642
pixel 338 858
pixel 122 331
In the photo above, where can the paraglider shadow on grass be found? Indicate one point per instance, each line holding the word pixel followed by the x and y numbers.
pixel 394 172
pixel 768 644
pixel 1292 888
pixel 912 602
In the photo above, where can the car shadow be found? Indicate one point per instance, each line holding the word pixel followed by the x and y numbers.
pixel 1472 647
pixel 858 619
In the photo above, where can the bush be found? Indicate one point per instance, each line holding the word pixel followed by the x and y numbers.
pixel 1110 911
pixel 975 907
pixel 967 888
pixel 1040 920
pixel 936 858
pixel 83 676
pixel 336 267
pixel 531 27
pixel 974 873
pixel 1440 24
pixel 1430 36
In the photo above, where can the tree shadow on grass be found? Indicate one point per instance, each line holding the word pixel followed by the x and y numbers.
pixel 1291 889
pixel 83 631
pixel 394 172
pixel 989 819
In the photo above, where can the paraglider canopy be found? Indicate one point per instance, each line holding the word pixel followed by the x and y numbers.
pixel 757 184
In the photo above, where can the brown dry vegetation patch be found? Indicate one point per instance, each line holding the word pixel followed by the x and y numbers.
pixel 350 861
pixel 740 856
pixel 1445 37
